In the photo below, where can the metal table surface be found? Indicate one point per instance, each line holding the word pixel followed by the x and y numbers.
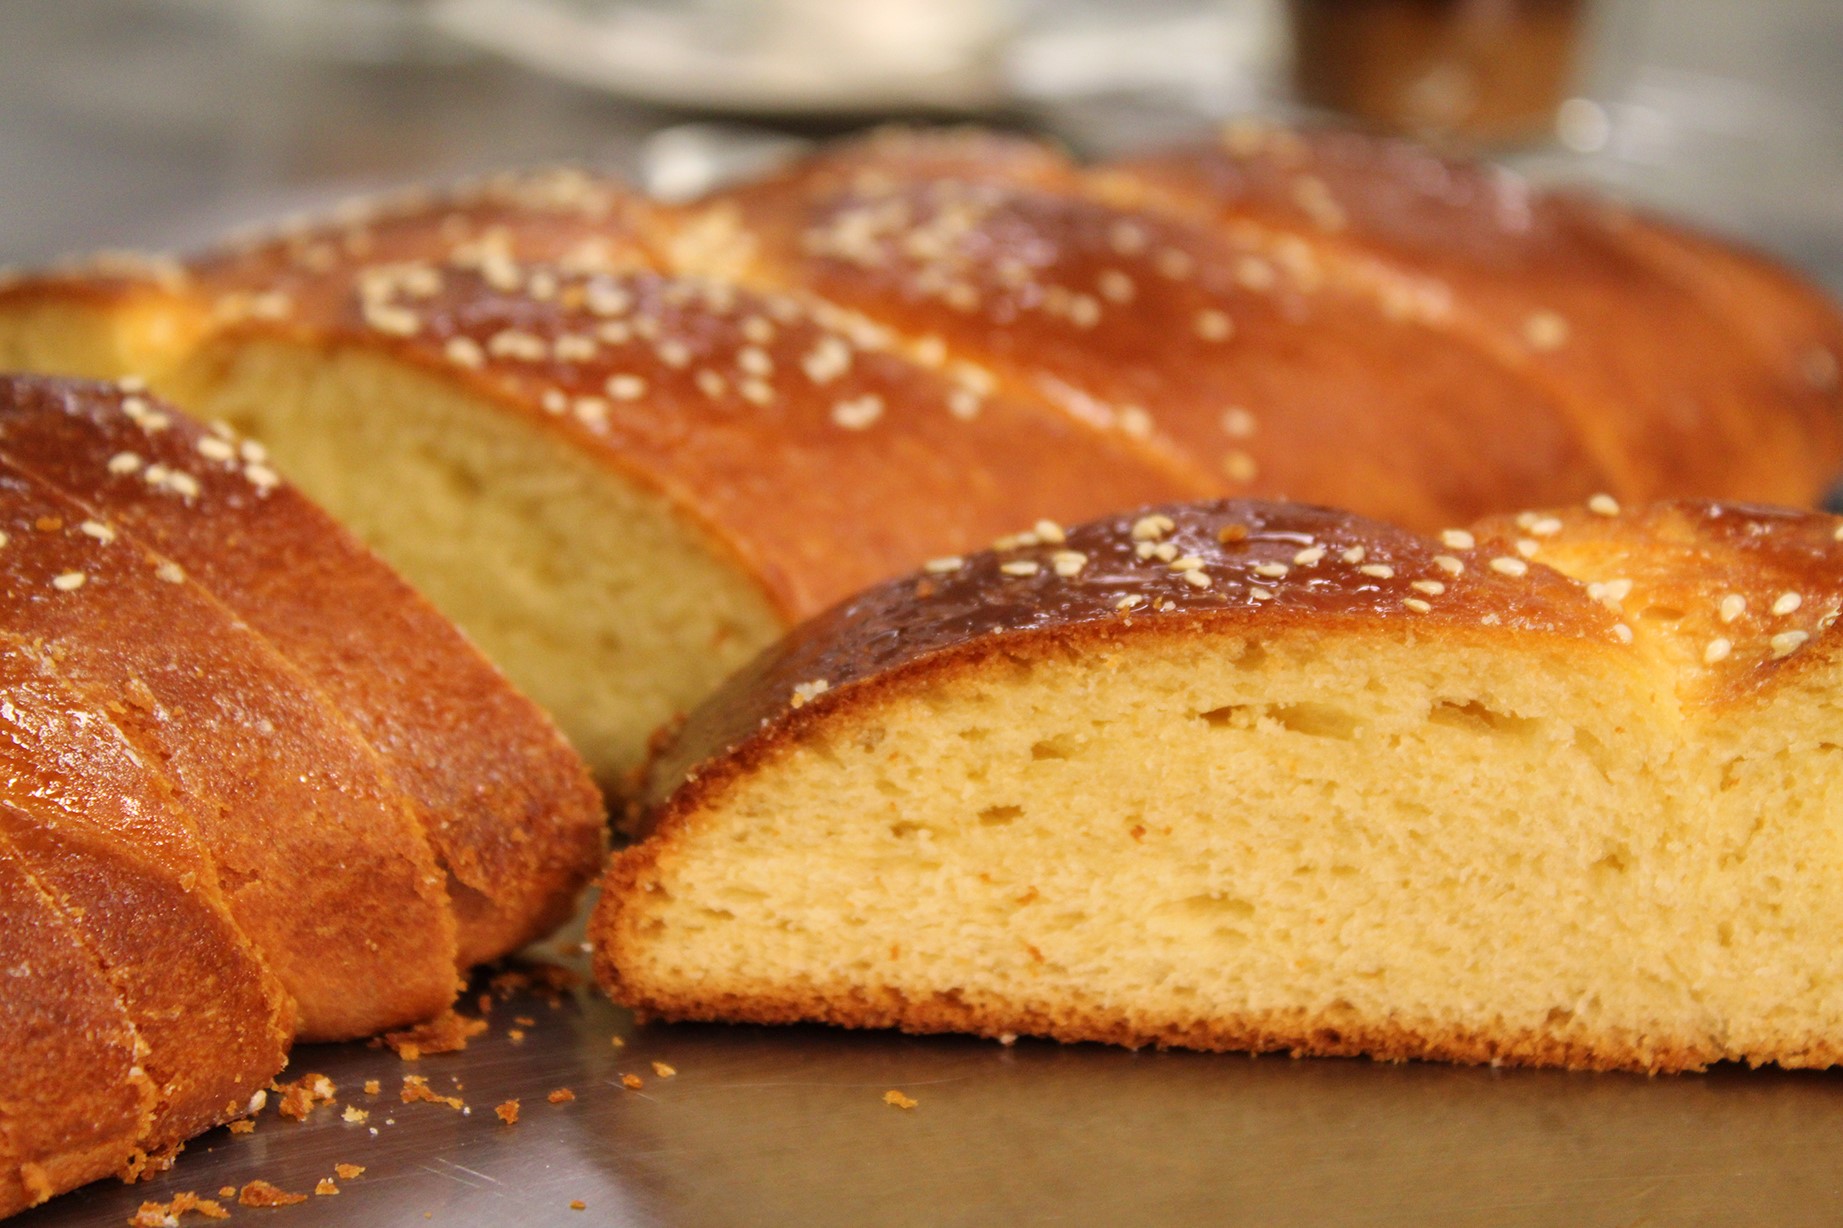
pixel 767 1126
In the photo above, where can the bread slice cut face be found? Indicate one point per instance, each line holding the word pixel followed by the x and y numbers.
pixel 1563 789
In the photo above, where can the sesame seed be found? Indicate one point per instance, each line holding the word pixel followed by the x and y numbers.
pixel 1527 547
pixel 1622 633
pixel 1504 565
pixel 184 483
pixel 573 347
pixel 1214 325
pixel 1254 273
pixel 213 448
pixel 124 462
pixel 828 359
pixel 1135 421
pixel 1115 286
pixel 590 411
pixel 1153 527
pixel 1836 534
pixel 1128 602
pixel 69 582
pixel 952 562
pixel 252 451
pixel 511 343
pixel 98 530
pixel 1731 607
pixel 710 383
pixel 1787 603
pixel 625 387
pixel 1189 562
pixel 1381 571
pixel 1545 331
pixel 755 360
pixel 1084 311
pixel 1196 579
pixel 1238 423
pixel 464 352
pixel 1547 526
pixel 806 691
pixel 391 319
pixel 1260 594
pixel 553 401
pixel 1165 551
pixel 1416 604
pixel 1717 650
pixel 1603 505
pixel 1273 571
pixel 1309 556
pixel 1786 643
pixel 603 299
pixel 1020 567
pixel 674 354
pixel 963 403
pixel 856 415
pixel 1354 555
pixel 1448 564
pixel 171 573
pixel 1617 590
pixel 756 391
pixel 1049 531
pixel 1457 539
pixel 261 477
pixel 1433 588
pixel 1240 467
pixel 1068 562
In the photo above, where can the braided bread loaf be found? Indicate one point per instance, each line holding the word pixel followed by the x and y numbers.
pixel 1560 789
pixel 253 787
pixel 624 445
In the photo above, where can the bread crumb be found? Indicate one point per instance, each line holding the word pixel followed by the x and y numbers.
pixel 167 1214
pixel 508 1112
pixel 448 1032
pixel 416 1088
pixel 562 1095
pixel 578 1205
pixel 663 1071
pixel 227 1191
pixel 897 1100
pixel 299 1097
pixel 325 1187
pixel 372 1087
pixel 355 1115
pixel 262 1194
pixel 516 1035
pixel 243 1126
pixel 632 1082
pixel 346 1172
pixel 617 1042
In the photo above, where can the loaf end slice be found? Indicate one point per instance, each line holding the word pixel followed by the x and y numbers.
pixel 1246 776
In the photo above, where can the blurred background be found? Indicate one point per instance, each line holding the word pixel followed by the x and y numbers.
pixel 161 123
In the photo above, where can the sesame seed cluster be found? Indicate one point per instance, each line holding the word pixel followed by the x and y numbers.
pixel 1720 596
pixel 1202 315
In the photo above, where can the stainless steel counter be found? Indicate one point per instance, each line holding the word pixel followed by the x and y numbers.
pixel 768 1126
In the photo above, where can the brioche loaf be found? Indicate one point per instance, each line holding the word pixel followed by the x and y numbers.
pixel 252 788
pixel 1560 789
pixel 625 445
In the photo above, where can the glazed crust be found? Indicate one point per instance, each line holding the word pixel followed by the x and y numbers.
pixel 516 823
pixel 976 326
pixel 1271 568
pixel 218 833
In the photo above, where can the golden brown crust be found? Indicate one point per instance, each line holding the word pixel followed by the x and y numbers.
pixel 110 845
pixel 913 318
pixel 279 789
pixel 1662 349
pixel 515 820
pixel 73 1102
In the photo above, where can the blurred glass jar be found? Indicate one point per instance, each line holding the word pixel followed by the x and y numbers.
pixel 1463 71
